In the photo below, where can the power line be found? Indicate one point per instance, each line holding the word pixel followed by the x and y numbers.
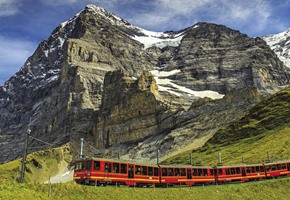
pixel 41 141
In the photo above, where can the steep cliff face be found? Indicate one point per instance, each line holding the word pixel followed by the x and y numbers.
pixel 214 57
pixel 131 90
pixel 130 109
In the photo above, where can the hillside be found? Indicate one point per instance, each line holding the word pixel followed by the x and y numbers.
pixel 40 166
pixel 265 127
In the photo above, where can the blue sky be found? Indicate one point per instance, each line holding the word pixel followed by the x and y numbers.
pixel 25 23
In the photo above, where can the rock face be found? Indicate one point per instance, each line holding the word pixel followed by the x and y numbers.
pixel 132 91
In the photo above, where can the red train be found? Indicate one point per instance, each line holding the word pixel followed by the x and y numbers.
pixel 104 171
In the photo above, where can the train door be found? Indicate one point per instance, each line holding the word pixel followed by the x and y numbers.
pixel 189 174
pixel 244 171
pixel 288 166
pixel 215 173
pixel 130 171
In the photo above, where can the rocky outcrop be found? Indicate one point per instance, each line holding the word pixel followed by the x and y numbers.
pixel 130 109
pixel 131 91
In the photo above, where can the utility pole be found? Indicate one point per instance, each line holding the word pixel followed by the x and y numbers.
pixel 219 159
pixel 191 158
pixel 82 147
pixel 23 165
pixel 157 156
pixel 268 156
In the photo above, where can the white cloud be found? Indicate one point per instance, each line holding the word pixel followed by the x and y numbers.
pixel 57 2
pixel 9 7
pixel 253 14
pixel 13 54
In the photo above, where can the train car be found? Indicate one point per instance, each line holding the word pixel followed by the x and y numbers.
pixel 278 169
pixel 239 173
pixel 175 175
pixel 203 175
pixel 105 171
pixel 143 175
pixel 185 175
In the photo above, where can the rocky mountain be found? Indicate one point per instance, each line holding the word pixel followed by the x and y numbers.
pixel 280 43
pixel 131 91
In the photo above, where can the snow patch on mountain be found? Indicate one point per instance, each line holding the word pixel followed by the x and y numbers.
pixel 166 84
pixel 158 39
pixel 280 44
pixel 148 38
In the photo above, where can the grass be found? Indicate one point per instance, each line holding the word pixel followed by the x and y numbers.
pixel 252 150
pixel 40 165
pixel 266 127
pixel 254 190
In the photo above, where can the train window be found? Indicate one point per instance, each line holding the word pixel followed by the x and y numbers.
pixel 170 172
pixel 205 172
pixel 199 172
pixel 268 168
pixel 248 170
pixel 116 168
pixel 164 171
pixel 195 172
pixel 85 165
pixel 176 172
pixel 150 171
pixel 96 165
pixel 228 172
pixel 108 167
pixel 279 166
pixel 144 170
pixel 220 171
pixel 79 166
pixel 262 169
pixel 273 167
pixel 182 172
pixel 238 170
pixel 257 168
pixel 156 171
pixel 283 166
pixel 253 170
pixel 233 171
pixel 211 171
pixel 138 169
pixel 123 168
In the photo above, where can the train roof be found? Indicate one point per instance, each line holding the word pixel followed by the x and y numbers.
pixel 180 165
pixel 118 161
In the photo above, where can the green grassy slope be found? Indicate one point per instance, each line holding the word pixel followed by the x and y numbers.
pixel 255 190
pixel 266 127
pixel 40 165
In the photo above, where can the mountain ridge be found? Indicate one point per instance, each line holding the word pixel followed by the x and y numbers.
pixel 59 93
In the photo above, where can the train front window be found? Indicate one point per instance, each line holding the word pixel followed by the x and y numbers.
pixel 83 165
